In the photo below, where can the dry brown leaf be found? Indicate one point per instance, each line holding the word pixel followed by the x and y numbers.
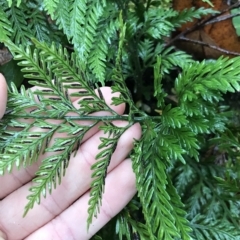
pixel 220 34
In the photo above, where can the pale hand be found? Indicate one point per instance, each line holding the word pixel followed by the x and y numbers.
pixel 63 214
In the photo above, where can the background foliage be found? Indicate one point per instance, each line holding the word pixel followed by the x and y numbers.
pixel 187 161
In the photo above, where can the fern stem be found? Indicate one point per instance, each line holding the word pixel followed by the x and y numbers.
pixel 85 117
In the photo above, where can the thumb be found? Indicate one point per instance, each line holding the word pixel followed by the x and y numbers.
pixel 3 95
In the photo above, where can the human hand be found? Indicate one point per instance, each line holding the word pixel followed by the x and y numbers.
pixel 63 214
pixel 3 95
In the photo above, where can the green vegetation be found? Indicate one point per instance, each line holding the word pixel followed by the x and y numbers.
pixel 187 162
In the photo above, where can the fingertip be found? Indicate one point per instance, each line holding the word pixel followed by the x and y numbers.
pixel 3 95
pixel 108 95
pixel 137 128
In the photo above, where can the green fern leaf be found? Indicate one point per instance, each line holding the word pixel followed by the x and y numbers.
pixel 157 20
pixel 44 64
pixel 199 125
pixel 188 15
pixel 187 140
pixel 172 59
pixel 127 227
pixel 98 54
pixel 150 168
pixel 173 117
pixel 17 16
pixel 146 49
pixel 50 6
pixel 179 213
pixel 23 147
pixel 108 144
pixel 216 230
pixel 47 177
pixel 83 29
pixel 203 79
pixel 38 25
pixel 169 146
pixel 5 27
pixel 53 168
pixel 62 17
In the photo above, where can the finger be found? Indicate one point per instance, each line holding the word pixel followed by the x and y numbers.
pixel 67 88
pixel 17 178
pixel 3 95
pixel 74 184
pixel 72 223
pixel 40 94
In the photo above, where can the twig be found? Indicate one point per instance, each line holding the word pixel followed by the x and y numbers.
pixel 197 25
pixel 210 46
pixel 222 18
pixel 81 118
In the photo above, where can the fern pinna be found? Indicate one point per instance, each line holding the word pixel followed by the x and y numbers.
pixel 183 193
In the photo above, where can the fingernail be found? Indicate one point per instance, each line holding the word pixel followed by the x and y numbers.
pixel 3 236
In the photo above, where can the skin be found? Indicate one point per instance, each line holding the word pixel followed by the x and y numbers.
pixel 63 214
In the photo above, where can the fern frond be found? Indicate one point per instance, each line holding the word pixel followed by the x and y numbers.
pixel 172 59
pixel 50 6
pixel 124 49
pixel 188 15
pixel 127 227
pixel 179 213
pixel 86 15
pixel 53 168
pixel 203 90
pixel 157 22
pixel 227 140
pixel 10 2
pixel 133 25
pixel 205 79
pixel 184 175
pixel 176 128
pixel 5 27
pixel 145 50
pixel 173 117
pixel 123 228
pixel 69 74
pixel 17 16
pixel 38 23
pixel 205 197
pixel 108 144
pixel 66 69
pixel 98 55
pixel 187 139
pixel 117 76
pixel 29 20
pixel 138 168
pixel 197 108
pixel 152 185
pixel 205 228
pixel 170 147
pixel 22 148
pixel 62 17
pixel 200 94
pixel 36 67
pixel 91 33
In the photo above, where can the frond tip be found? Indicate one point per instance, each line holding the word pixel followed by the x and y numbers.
pixel 107 148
